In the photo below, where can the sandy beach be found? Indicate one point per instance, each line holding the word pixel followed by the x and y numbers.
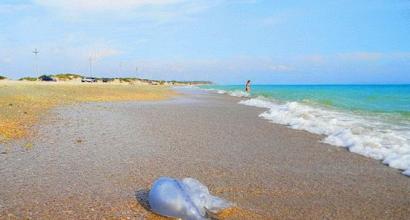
pixel 97 161
pixel 23 103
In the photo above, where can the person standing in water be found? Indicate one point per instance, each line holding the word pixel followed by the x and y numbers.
pixel 248 86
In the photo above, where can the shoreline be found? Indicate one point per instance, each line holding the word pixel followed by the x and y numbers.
pixel 93 160
pixel 375 135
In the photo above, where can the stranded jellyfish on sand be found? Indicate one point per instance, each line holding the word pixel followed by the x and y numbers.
pixel 187 199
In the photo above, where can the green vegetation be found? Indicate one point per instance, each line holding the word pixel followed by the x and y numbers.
pixel 131 80
pixel 163 82
pixel 67 76
pixel 28 79
pixel 128 80
pixel 2 77
pixel 46 78
pixel 61 77
pixel 105 80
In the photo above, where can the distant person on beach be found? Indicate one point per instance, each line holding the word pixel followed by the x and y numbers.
pixel 248 86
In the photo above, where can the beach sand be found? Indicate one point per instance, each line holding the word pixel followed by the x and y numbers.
pixel 97 160
pixel 22 103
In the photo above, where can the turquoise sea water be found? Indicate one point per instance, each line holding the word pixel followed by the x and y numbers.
pixel 371 120
pixel 391 100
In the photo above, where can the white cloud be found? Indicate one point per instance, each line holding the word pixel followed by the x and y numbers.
pixel 274 20
pixel 106 52
pixel 158 11
pixel 103 5
pixel 11 8
pixel 360 56
pixel 220 66
pixel 315 58
pixel 81 53
pixel 6 60
pixel 282 17
pixel 64 52
pixel 355 57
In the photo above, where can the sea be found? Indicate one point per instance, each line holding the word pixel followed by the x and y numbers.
pixel 371 120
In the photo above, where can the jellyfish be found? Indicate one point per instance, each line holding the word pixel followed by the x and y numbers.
pixel 187 199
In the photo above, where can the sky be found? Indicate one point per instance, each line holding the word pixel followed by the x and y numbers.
pixel 224 41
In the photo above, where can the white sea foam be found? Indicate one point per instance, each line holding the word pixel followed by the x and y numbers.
pixel 219 91
pixel 364 135
pixel 238 93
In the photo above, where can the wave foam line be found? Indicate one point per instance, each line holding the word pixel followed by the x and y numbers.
pixel 371 138
pixel 235 93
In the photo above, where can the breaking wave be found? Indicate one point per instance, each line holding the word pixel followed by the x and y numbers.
pixel 362 134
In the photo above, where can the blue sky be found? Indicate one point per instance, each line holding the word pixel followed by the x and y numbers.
pixel 281 42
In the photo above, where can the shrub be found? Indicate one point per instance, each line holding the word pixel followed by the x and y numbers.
pixel 107 79
pixel 28 79
pixel 2 77
pixel 67 76
pixel 127 79
pixel 46 78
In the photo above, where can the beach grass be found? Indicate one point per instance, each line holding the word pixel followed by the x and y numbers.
pixel 23 103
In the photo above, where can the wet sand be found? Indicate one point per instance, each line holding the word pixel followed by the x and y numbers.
pixel 97 160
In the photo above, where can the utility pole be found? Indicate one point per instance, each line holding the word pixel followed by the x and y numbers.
pixel 36 52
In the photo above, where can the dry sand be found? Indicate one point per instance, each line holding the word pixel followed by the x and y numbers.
pixel 97 160
pixel 21 103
